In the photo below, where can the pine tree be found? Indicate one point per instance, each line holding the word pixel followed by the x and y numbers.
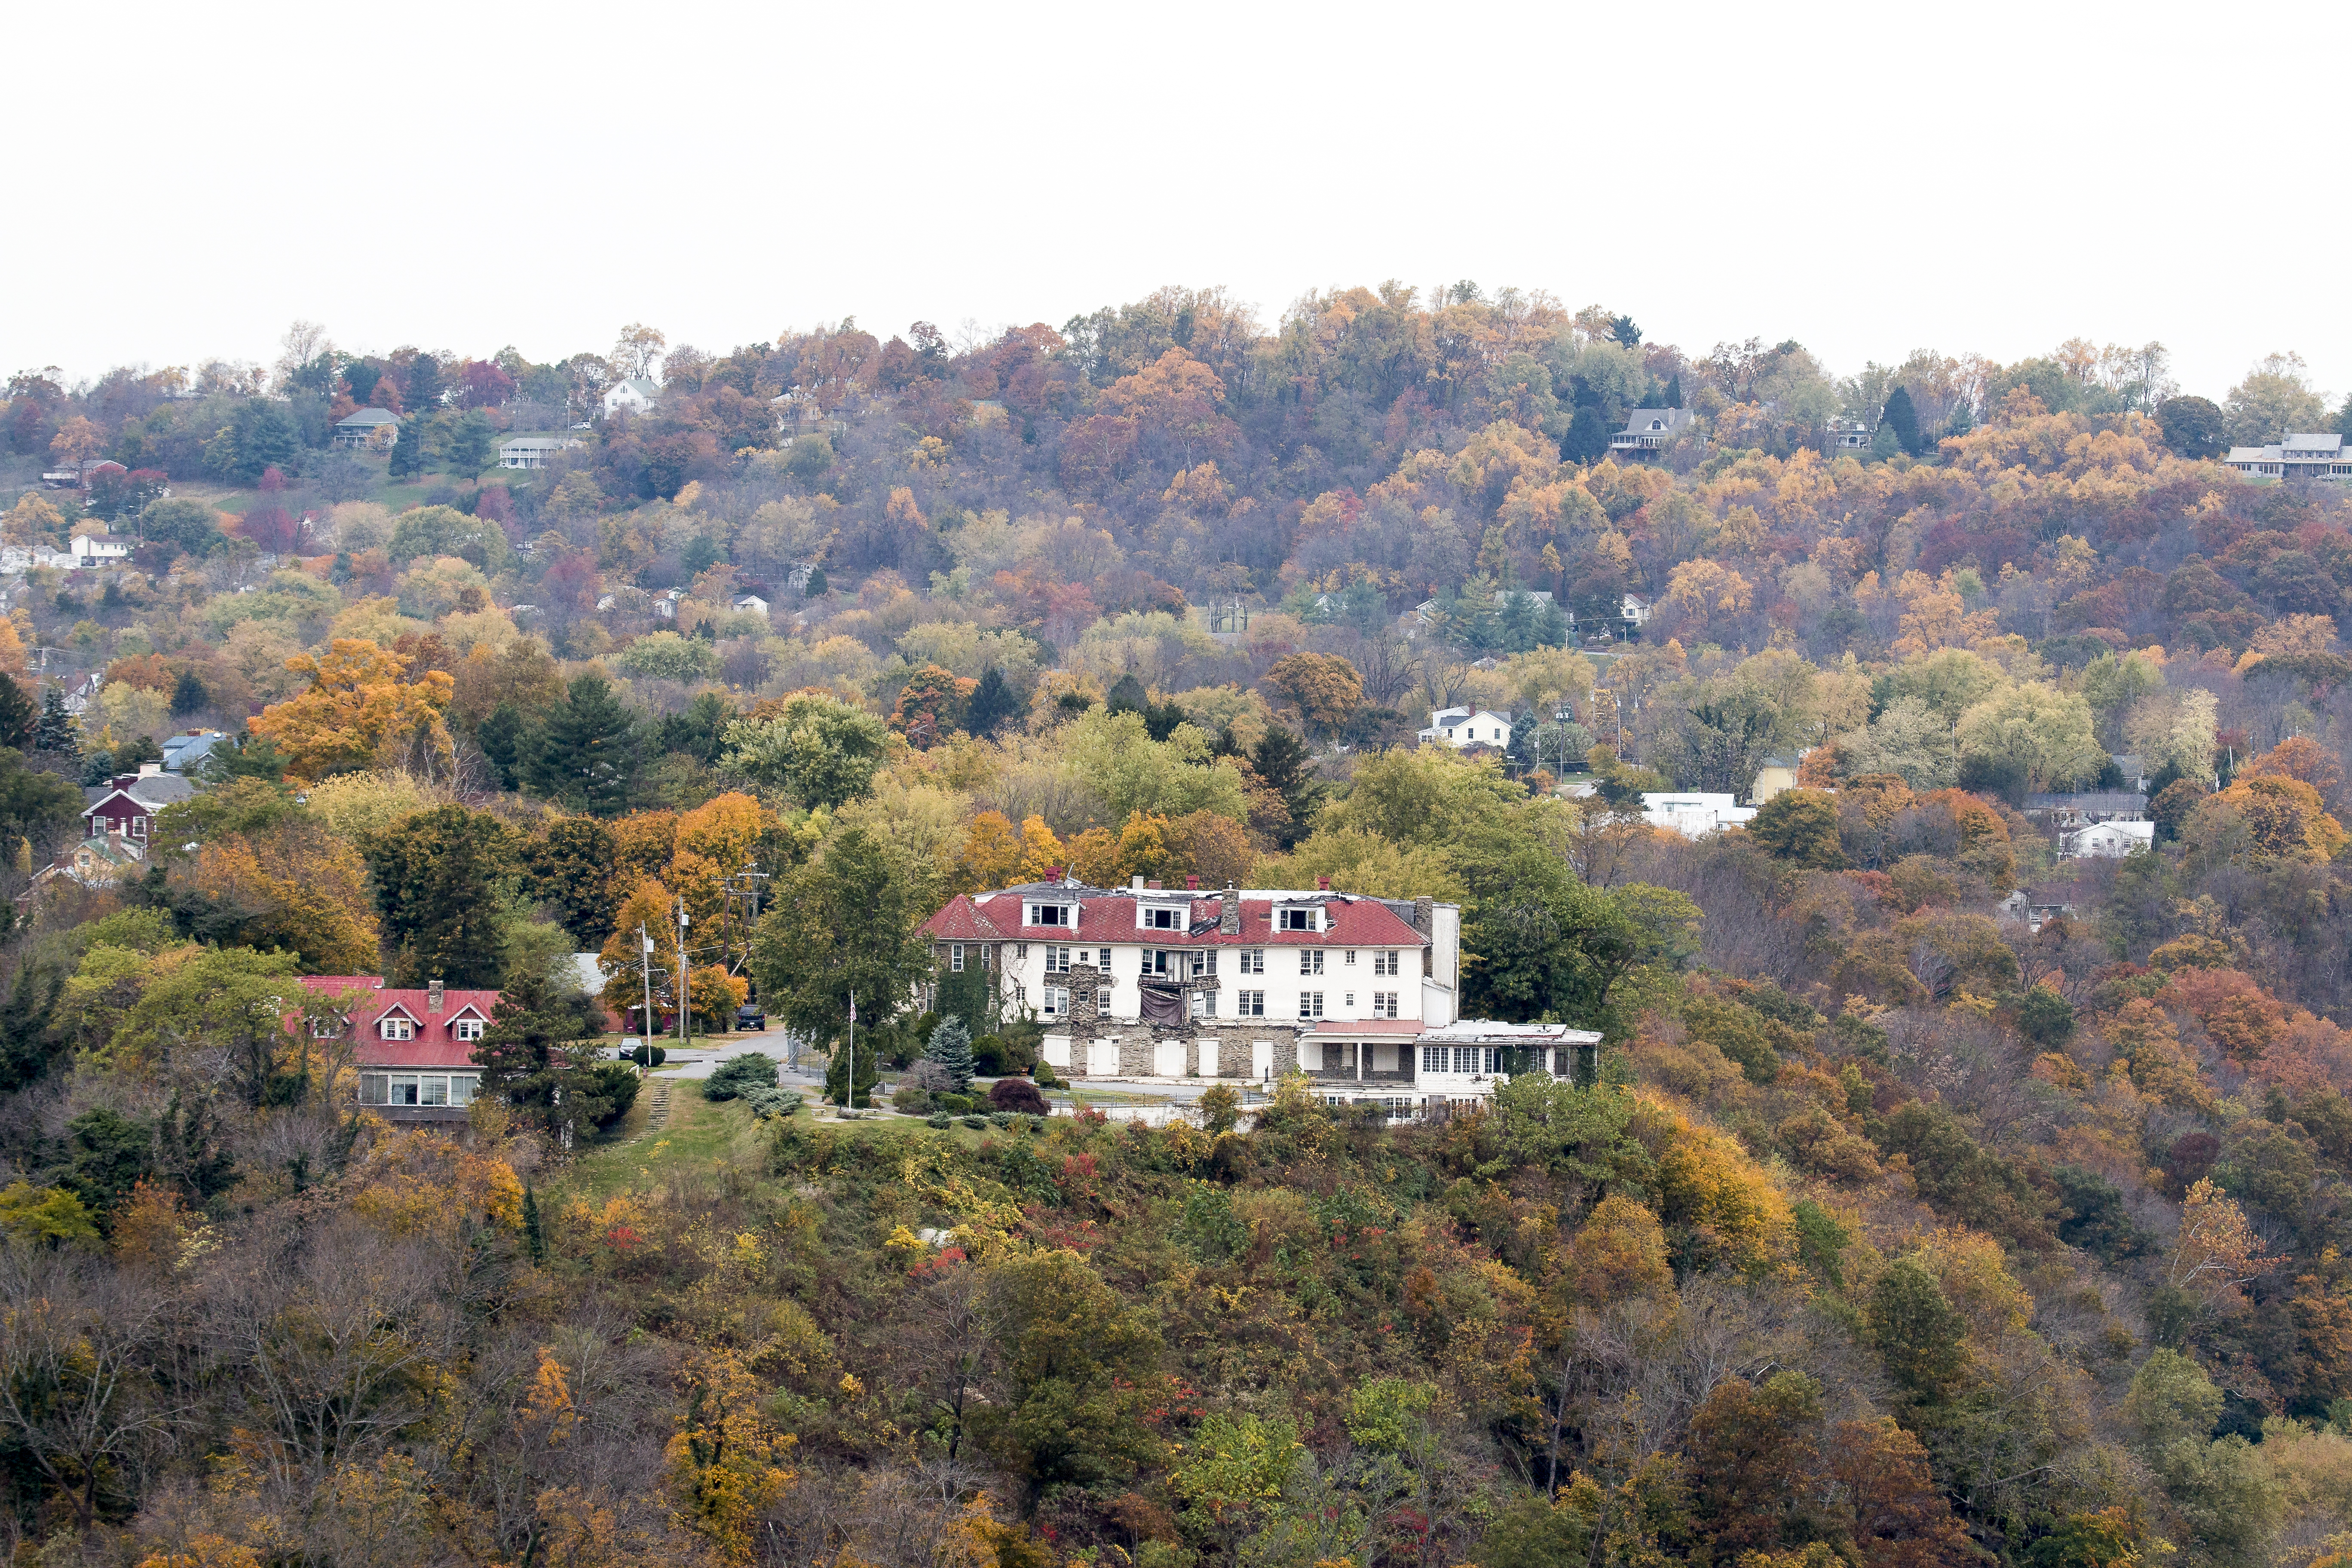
pixel 408 452
pixel 1674 392
pixel 534 1235
pixel 502 737
pixel 1902 418
pixel 523 1058
pixel 188 695
pixel 816 585
pixel 55 730
pixel 994 702
pixel 950 1048
pixel 18 721
pixel 586 755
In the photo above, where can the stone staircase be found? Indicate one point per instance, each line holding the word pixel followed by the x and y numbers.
pixel 657 1106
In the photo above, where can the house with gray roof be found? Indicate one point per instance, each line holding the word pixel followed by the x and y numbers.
pixel 635 395
pixel 2295 457
pixel 1649 431
pixel 361 428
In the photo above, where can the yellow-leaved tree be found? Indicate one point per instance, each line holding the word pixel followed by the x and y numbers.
pixel 361 711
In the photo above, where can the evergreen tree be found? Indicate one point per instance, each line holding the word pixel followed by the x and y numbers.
pixel 1902 418
pixel 1884 444
pixel 524 1061
pixel 587 752
pixel 437 877
pixel 994 702
pixel 816 586
pixel 1282 763
pixel 19 721
pixel 188 695
pixel 950 1048
pixel 1674 398
pixel 534 1235
pixel 54 732
pixel 242 757
pixel 408 451
pixel 505 738
pixel 1588 436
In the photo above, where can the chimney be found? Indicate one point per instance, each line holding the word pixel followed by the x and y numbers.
pixel 1323 884
pixel 1153 885
pixel 150 769
pixel 1053 873
pixel 1229 915
pixel 1135 884
pixel 1191 884
pixel 433 996
pixel 1425 915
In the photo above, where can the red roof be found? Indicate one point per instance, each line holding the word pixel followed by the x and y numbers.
pixel 1111 917
pixel 962 922
pixel 434 1045
pixel 1369 1027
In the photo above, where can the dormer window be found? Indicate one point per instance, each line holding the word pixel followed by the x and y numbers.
pixel 397 1028
pixel 1037 915
pixel 1161 917
pixel 1295 920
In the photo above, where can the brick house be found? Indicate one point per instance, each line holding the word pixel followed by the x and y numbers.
pixel 127 804
pixel 413 1049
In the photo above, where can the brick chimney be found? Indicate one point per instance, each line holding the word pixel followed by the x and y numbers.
pixel 1229 914
pixel 433 996
pixel 1154 885
pixel 1191 884
pixel 1323 884
pixel 1425 915
pixel 1053 873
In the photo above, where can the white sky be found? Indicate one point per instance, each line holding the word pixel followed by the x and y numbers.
pixel 188 179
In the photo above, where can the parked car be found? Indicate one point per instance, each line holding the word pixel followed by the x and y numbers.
pixel 749 1018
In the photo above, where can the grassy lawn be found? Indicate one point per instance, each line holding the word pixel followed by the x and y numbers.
pixel 701 1137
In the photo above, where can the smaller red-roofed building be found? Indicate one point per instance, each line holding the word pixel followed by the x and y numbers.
pixel 413 1048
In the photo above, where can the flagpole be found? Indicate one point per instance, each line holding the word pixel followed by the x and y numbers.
pixel 849 1079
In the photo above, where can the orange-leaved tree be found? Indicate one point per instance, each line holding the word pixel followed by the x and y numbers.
pixel 361 711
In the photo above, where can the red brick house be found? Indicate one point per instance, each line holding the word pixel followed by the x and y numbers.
pixel 414 1048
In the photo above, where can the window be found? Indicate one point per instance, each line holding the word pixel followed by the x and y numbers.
pixel 326 1029
pixel 1385 962
pixel 1347 1000
pixel 1310 1003
pixel 1294 919
pixel 1384 1005
pixel 138 828
pixel 1155 959
pixel 1057 1002
pixel 1102 959
pixel 1048 915
pixel 1021 951
pixel 1057 960
pixel 955 958
pixel 984 956
pixel 1205 1003
pixel 1249 1004
pixel 1310 961
pixel 1204 962
pixel 1161 919
pixel 1350 959
pixel 372 1089
pixel 1253 961
pixel 397 1029
pixel 466 1028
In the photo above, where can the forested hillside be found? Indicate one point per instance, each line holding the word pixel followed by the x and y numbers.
pixel 1943 1198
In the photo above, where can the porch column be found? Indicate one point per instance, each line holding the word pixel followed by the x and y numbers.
pixel 1360 1061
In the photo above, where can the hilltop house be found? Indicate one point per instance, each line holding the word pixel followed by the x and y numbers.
pixel 2294 457
pixel 2109 840
pixel 1460 727
pixel 1777 773
pixel 99 548
pixel 635 395
pixel 1648 432
pixel 1634 611
pixel 360 429
pixel 188 750
pixel 414 1048
pixel 533 451
pixel 92 863
pixel 127 804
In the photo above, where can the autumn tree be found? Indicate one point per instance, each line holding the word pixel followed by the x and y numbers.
pixel 1324 687
pixel 1800 826
pixel 360 712
pixel 819 749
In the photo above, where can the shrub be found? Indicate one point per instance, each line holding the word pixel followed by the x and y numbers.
pixel 940 1123
pixel 738 1075
pixel 1044 1075
pixel 914 1102
pixel 988 1056
pixel 649 1062
pixel 975 1123
pixel 772 1101
pixel 1013 1094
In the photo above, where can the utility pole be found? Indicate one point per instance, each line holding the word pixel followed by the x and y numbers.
pixel 685 977
pixel 646 960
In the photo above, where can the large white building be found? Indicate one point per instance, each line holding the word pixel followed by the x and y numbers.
pixel 2294 457
pixel 1362 994
pixel 1695 814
